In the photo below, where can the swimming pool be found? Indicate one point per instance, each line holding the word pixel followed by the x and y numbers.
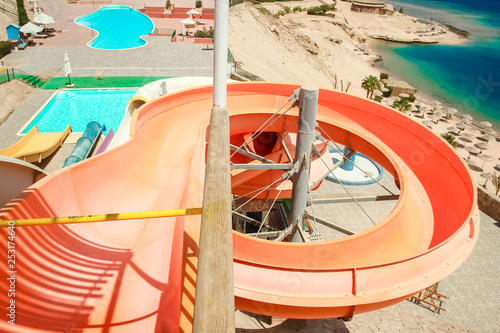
pixel 118 27
pixel 79 107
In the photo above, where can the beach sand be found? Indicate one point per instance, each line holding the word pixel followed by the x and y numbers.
pixel 334 53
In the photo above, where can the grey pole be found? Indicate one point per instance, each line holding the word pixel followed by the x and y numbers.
pixel 308 105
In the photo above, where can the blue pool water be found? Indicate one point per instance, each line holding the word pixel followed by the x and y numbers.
pixel 119 27
pixel 79 107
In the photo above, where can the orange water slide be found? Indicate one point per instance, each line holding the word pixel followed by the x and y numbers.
pixel 140 275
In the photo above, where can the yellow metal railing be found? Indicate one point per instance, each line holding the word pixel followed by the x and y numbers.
pixel 101 218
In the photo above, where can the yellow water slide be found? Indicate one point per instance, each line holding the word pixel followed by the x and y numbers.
pixel 36 146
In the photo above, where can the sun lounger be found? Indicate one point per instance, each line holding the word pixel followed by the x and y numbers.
pixel 21 46
pixel 35 35
pixel 36 146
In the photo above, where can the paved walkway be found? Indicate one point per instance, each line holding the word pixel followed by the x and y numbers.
pixel 158 58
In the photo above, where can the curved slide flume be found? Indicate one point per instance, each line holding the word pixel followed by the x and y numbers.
pixel 122 276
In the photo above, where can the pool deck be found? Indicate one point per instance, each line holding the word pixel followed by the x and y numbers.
pixel 159 57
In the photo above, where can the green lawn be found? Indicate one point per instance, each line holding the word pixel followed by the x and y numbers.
pixel 107 82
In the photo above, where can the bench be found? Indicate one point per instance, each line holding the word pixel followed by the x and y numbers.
pixel 431 297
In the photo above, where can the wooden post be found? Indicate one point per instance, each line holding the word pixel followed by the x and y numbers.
pixel 214 304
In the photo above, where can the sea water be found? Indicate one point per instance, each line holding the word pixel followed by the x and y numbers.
pixel 465 76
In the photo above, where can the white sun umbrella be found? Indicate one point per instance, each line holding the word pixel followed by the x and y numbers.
pixel 487 176
pixel 487 137
pixel 482 146
pixel 403 95
pixel 466 116
pixel 67 69
pixel 185 22
pixel 30 28
pixel 486 124
pixel 188 21
pixel 468 135
pixel 43 18
pixel 470 162
pixel 490 131
pixel 192 12
pixel 474 131
pixel 472 150
pixel 485 158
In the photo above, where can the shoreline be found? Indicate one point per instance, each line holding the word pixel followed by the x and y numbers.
pixel 320 51
pixel 424 87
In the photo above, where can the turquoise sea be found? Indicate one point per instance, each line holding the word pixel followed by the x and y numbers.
pixel 465 76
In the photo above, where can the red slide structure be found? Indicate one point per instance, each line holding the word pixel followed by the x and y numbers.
pixel 140 275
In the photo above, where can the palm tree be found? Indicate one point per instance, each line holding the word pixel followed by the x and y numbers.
pixel 371 83
pixel 402 105
pixel 496 183
pixel 451 139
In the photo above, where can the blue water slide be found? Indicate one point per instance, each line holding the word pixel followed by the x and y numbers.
pixel 84 144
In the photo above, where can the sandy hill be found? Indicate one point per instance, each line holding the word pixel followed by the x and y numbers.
pixel 299 48
pixel 5 18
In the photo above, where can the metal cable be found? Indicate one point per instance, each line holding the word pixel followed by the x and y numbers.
pixel 354 199
pixel 269 211
pixel 343 155
pixel 265 188
pixel 316 230
pixel 258 131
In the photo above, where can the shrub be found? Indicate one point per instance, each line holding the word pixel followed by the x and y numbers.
pixel 321 10
pixel 4 48
pixel 279 13
pixel 168 4
pixel 402 105
pixel 384 76
pixel 297 9
pixel 205 33
pixel 287 10
pixel 198 4
pixel 235 2
pixel 401 10
pixel 378 99
pixel 389 92
pixel 412 98
pixel 263 10
pixel 451 139
pixel 23 17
